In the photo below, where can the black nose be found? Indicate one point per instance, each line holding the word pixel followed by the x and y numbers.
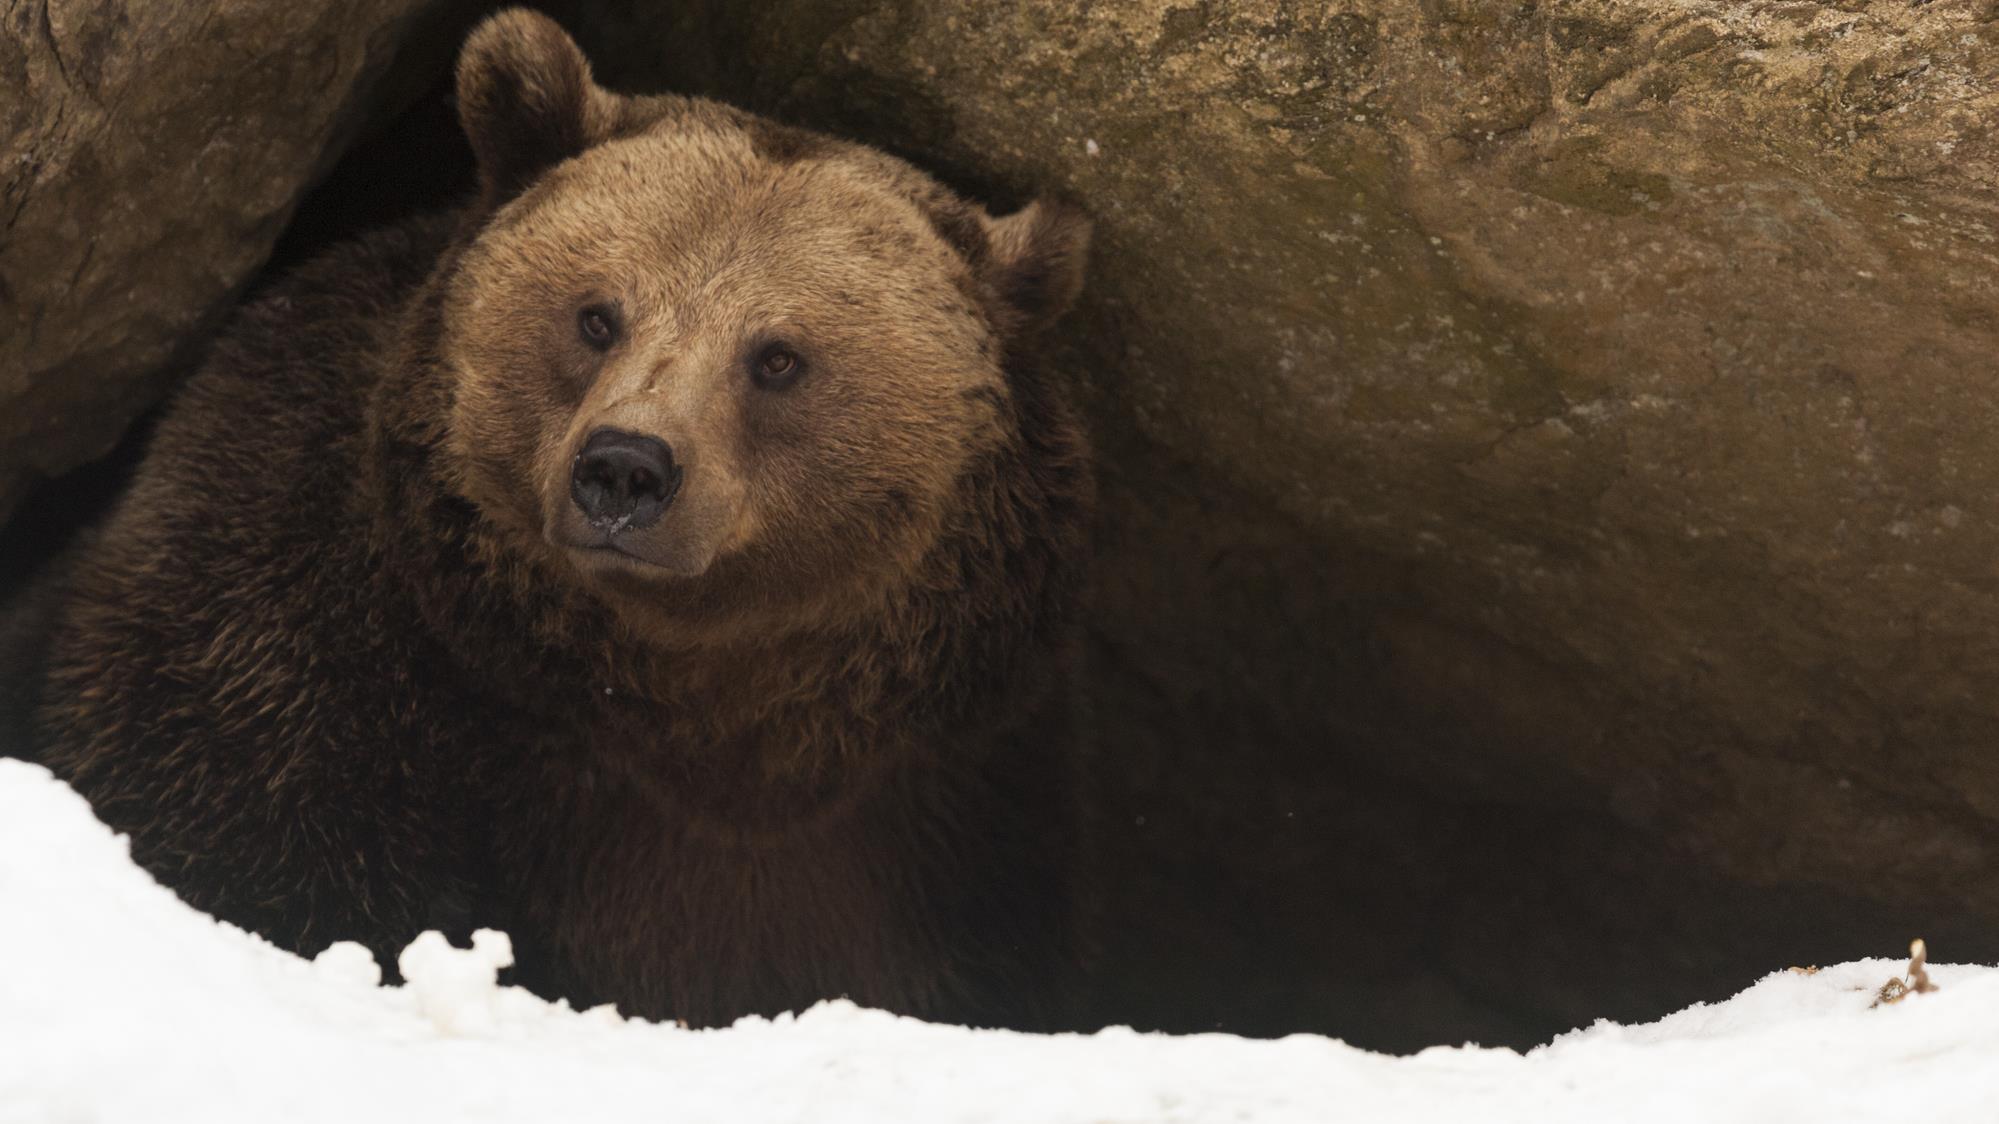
pixel 623 480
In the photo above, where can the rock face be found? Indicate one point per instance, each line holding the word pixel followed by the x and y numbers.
pixel 1552 451
pixel 1550 558
pixel 150 153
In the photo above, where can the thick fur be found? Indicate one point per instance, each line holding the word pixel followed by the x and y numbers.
pixel 333 669
pixel 28 622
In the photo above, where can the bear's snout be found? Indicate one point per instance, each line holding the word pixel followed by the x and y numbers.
pixel 623 481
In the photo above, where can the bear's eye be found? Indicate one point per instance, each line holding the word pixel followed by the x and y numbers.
pixel 598 324
pixel 776 367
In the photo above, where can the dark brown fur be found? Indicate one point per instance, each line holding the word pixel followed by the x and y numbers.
pixel 328 672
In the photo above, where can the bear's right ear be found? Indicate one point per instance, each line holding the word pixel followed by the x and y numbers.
pixel 526 101
pixel 1038 256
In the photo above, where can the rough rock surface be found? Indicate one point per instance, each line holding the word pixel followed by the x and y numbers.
pixel 1552 456
pixel 150 153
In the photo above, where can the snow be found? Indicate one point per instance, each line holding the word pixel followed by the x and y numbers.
pixel 118 1003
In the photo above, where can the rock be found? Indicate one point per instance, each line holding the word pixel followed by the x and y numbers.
pixel 1515 414
pixel 150 153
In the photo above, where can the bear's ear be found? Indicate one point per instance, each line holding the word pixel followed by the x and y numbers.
pixel 1038 254
pixel 526 101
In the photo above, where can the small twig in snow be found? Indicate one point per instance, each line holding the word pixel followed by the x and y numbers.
pixel 1919 972
pixel 1917 981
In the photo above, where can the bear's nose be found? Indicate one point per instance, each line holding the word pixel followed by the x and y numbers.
pixel 623 480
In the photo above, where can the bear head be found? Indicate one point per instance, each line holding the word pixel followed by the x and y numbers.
pixel 702 360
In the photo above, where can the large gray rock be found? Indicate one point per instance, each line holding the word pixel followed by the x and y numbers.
pixel 1551 455
pixel 150 153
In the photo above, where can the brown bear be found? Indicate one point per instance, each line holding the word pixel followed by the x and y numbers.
pixel 671 559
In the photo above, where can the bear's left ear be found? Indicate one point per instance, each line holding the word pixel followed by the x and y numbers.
pixel 1038 254
pixel 526 101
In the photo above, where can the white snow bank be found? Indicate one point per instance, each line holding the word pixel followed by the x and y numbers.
pixel 117 1003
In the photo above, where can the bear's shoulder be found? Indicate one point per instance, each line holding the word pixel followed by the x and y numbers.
pixel 305 349
pixel 245 523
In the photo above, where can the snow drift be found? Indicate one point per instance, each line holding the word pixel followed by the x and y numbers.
pixel 119 1003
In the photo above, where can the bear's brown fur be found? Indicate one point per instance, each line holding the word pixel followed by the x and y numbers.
pixel 347 663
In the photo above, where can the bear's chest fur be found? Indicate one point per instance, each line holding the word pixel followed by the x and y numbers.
pixel 699 881
pixel 699 833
